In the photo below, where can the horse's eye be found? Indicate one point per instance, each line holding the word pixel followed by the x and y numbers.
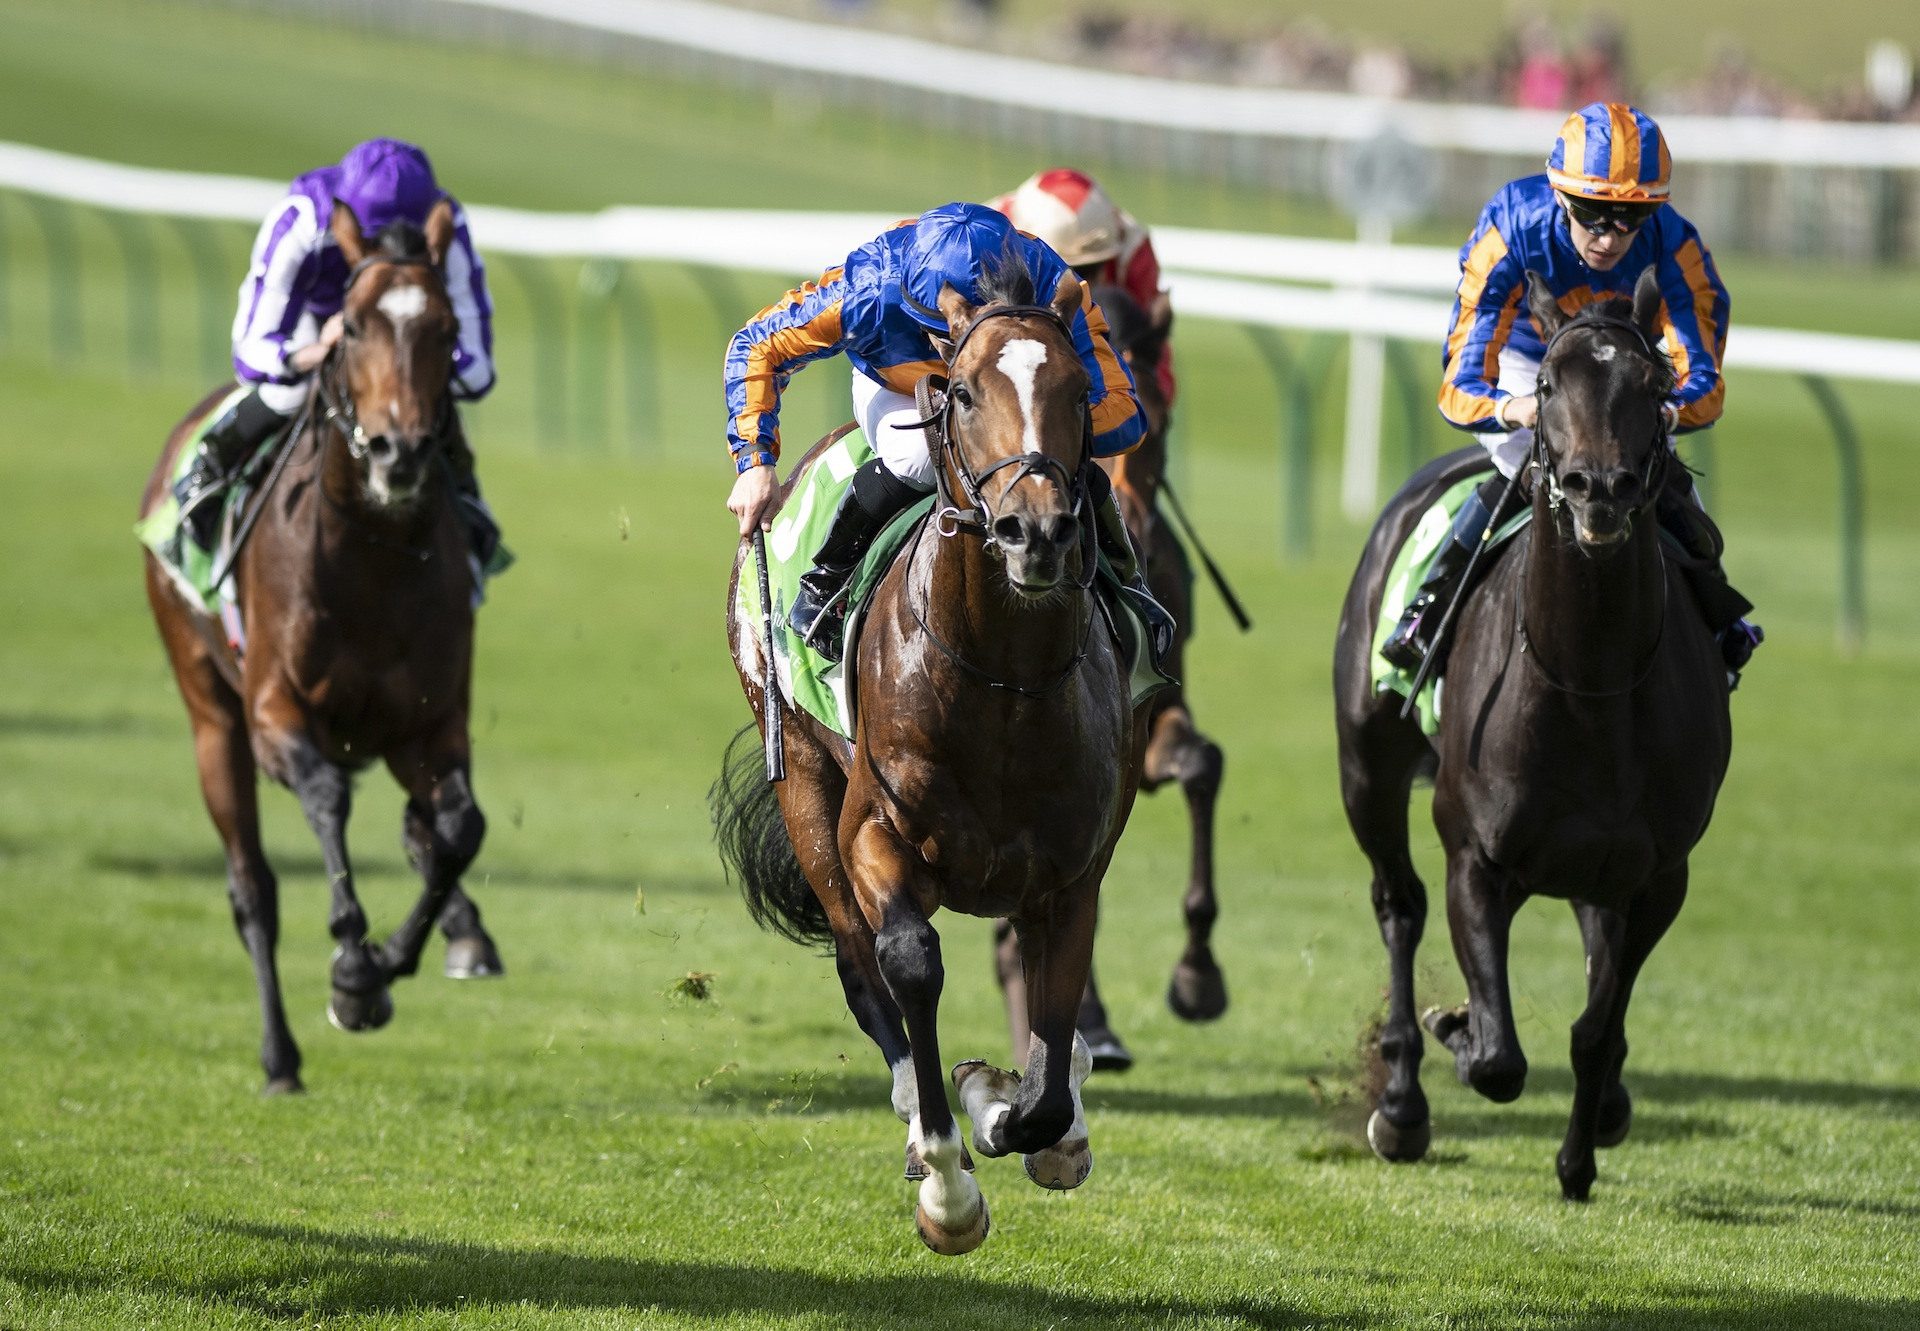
pixel 961 395
pixel 350 327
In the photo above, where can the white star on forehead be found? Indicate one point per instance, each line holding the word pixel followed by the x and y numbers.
pixel 1020 360
pixel 400 304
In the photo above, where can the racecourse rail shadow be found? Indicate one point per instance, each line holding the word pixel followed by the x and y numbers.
pixel 326 1273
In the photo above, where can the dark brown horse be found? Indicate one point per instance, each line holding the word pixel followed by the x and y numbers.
pixel 356 598
pixel 992 769
pixel 1583 737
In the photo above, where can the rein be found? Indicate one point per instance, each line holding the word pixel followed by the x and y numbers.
pixel 1653 481
pixel 949 519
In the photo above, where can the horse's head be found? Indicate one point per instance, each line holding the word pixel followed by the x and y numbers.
pixel 393 368
pixel 1600 442
pixel 1017 430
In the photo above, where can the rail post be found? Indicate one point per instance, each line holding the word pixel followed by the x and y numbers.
pixel 1852 627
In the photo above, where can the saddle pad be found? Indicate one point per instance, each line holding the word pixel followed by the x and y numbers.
pixel 1404 576
pixel 190 567
pixel 821 688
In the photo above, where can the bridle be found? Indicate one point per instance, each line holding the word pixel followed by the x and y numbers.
pixel 1653 480
pixel 949 519
pixel 340 411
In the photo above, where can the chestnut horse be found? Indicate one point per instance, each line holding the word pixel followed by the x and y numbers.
pixel 993 765
pixel 1583 737
pixel 355 593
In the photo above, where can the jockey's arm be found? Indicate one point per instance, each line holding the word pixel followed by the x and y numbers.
pixel 1486 303
pixel 466 279
pixel 274 293
pixel 802 326
pixel 1697 310
pixel 1119 421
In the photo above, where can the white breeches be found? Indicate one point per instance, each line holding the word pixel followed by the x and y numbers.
pixel 1520 376
pixel 878 409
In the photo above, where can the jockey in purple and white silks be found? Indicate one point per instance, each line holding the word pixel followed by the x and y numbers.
pixel 880 308
pixel 1588 227
pixel 289 316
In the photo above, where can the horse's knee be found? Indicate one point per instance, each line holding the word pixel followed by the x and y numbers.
pixel 253 895
pixel 1206 765
pixel 458 825
pixel 908 951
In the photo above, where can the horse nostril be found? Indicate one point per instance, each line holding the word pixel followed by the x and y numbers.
pixel 1576 483
pixel 1059 529
pixel 1626 487
pixel 1010 531
pixel 380 446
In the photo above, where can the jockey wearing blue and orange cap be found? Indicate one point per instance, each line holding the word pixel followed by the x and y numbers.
pixel 881 308
pixel 289 316
pixel 1588 226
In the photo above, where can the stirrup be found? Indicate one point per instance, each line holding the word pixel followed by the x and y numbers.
pixel 818 620
pixel 1404 648
pixel 1158 621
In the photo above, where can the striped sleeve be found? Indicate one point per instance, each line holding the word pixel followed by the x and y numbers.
pixel 1697 307
pixel 1492 284
pixel 803 325
pixel 273 295
pixel 466 281
pixel 1119 421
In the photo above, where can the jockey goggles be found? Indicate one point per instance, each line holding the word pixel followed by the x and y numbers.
pixel 1601 219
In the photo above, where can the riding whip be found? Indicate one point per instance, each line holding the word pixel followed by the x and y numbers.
pixel 771 708
pixel 1213 570
pixel 1459 594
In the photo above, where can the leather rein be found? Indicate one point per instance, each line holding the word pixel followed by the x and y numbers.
pixel 1653 481
pixel 949 519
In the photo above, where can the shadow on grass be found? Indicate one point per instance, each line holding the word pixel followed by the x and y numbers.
pixel 1686 1088
pixel 837 1093
pixel 323 1272
pixel 211 864
pixel 54 726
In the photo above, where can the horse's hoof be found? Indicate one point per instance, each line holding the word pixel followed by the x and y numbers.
pixel 1109 1054
pixel 1197 993
pixel 917 1168
pixel 1616 1118
pixel 287 1085
pixel 1445 1024
pixel 986 1095
pixel 1060 1167
pixel 354 1012
pixel 473 958
pixel 1396 1144
pixel 952 1242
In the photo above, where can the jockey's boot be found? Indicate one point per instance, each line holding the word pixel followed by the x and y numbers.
pixel 224 449
pixel 1682 516
pixel 490 557
pixel 874 499
pixel 1110 530
pixel 1413 637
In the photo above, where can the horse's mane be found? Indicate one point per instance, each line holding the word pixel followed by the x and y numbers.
pixel 1007 281
pixel 1127 324
pixel 1621 308
pixel 399 239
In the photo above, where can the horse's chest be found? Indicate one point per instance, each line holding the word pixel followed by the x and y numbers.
pixel 359 702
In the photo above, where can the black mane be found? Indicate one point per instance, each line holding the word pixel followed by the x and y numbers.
pixel 1007 281
pixel 400 239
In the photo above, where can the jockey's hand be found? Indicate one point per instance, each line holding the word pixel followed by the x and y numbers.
pixel 310 356
pixel 753 498
pixel 1521 412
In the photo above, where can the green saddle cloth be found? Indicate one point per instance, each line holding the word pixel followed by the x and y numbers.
pixel 1404 576
pixel 162 532
pixel 821 688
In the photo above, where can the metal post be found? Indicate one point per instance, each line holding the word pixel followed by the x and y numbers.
pixel 1366 380
pixel 1852 628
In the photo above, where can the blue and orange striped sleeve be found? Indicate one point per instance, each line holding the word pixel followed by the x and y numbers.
pixel 1696 313
pixel 803 325
pixel 1119 421
pixel 1487 301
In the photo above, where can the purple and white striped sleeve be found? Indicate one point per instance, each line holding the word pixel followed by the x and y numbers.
pixel 466 281
pixel 273 295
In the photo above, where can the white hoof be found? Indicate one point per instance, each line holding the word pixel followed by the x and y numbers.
pixel 986 1095
pixel 958 1240
pixel 1061 1167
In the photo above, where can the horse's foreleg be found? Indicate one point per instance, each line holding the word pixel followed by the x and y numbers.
pixel 444 829
pixel 1617 947
pixel 1178 752
pixel 952 1213
pixel 1480 904
pixel 471 954
pixel 359 1001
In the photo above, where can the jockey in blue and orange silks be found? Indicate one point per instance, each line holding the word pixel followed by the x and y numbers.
pixel 1589 226
pixel 289 318
pixel 880 308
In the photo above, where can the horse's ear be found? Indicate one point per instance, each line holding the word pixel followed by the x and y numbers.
pixel 1067 297
pixel 959 312
pixel 1646 302
pixel 1547 314
pixel 1160 316
pixel 439 231
pixel 346 234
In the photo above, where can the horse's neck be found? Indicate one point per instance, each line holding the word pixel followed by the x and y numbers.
pixel 1592 623
pixel 961 596
pixel 1139 473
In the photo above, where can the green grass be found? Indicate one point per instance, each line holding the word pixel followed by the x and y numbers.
pixel 576 1146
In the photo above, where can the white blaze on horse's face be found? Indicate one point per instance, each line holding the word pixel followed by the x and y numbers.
pixel 402 305
pixel 1020 360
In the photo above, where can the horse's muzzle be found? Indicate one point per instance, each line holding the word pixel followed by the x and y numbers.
pixel 1035 547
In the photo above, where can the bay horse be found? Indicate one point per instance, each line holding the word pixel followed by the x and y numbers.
pixel 1583 738
pixel 994 760
pixel 355 595
pixel 1176 749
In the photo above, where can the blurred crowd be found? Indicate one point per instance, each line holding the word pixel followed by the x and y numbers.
pixel 1535 63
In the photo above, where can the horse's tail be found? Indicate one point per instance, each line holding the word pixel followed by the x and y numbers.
pixel 755 848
